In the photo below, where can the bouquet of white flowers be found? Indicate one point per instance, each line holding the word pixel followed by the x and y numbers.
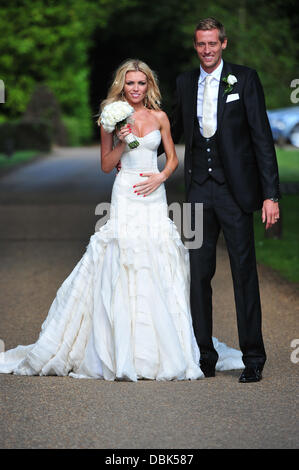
pixel 115 115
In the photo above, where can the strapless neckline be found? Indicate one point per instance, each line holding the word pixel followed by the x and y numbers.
pixel 144 156
pixel 155 130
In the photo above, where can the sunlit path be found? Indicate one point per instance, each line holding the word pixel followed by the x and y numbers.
pixel 47 216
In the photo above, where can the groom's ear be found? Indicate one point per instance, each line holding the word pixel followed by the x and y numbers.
pixel 224 44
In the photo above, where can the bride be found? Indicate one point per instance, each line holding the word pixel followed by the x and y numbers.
pixel 123 312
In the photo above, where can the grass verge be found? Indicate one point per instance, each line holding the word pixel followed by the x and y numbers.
pixel 288 164
pixel 18 157
pixel 281 254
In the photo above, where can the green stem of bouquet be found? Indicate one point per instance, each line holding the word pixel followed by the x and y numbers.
pixel 122 123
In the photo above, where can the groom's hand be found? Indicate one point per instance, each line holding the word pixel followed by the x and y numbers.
pixel 270 213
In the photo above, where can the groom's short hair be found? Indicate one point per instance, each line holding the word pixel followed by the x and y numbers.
pixel 211 23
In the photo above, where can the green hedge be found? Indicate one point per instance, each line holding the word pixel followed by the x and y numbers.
pixel 19 135
pixel 79 130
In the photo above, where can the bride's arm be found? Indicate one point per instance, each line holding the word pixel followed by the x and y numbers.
pixel 110 156
pixel 154 180
pixel 168 144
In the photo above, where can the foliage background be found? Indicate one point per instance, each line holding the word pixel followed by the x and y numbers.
pixel 75 45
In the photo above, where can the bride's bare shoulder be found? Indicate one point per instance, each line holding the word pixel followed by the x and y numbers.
pixel 160 115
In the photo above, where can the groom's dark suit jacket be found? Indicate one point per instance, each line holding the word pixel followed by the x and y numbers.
pixel 244 136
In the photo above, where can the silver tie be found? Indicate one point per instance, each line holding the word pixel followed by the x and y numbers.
pixel 207 109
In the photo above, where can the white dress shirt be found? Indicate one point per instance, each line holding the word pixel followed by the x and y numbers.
pixel 216 74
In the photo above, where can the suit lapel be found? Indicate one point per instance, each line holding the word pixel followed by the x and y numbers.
pixel 226 70
pixel 193 102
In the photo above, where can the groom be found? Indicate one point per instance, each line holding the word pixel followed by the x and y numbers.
pixel 231 168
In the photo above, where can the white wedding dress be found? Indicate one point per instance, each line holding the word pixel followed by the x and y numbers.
pixel 123 312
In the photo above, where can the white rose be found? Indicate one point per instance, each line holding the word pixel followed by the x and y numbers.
pixel 231 80
pixel 114 113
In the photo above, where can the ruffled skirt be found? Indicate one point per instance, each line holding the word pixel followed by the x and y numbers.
pixel 123 312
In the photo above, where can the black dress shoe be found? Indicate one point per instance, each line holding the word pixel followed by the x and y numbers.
pixel 207 368
pixel 251 374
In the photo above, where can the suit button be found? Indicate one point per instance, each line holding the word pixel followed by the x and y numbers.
pixel 208 150
pixel 189 171
pixel 210 169
pixel 209 159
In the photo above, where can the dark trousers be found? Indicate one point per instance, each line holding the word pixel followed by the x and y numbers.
pixel 220 211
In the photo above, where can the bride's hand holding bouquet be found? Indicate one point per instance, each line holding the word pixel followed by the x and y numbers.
pixel 115 117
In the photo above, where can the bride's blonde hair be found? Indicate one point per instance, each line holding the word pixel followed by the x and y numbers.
pixel 115 93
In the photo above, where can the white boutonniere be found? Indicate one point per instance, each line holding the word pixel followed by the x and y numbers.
pixel 230 80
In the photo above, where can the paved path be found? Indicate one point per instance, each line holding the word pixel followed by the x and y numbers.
pixel 47 216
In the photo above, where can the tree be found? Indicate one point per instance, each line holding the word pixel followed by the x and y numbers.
pixel 74 46
pixel 46 42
